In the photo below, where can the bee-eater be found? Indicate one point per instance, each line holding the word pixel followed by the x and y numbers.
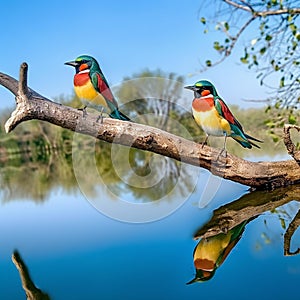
pixel 91 85
pixel 213 115
pixel 211 252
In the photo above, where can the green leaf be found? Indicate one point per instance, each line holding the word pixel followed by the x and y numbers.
pixel 277 104
pixel 274 137
pixel 268 109
pixel 218 47
pixel 203 20
pixel 208 63
pixel 293 28
pixel 270 124
pixel 226 25
pixel 263 50
pixel 292 119
pixel 262 26
pixel 254 58
pixel 276 67
pixel 294 44
pixel 268 38
pixel 281 82
pixel 244 60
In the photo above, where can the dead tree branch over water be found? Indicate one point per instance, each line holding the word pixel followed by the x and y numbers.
pixel 260 175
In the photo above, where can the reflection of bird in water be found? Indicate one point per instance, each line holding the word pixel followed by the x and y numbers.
pixel 211 252
pixel 91 85
pixel 32 292
pixel 213 115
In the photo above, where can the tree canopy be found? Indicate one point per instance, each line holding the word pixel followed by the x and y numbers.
pixel 271 35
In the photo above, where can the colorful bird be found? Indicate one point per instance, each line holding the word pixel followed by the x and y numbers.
pixel 213 115
pixel 211 252
pixel 91 85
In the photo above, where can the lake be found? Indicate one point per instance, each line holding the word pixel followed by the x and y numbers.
pixel 99 232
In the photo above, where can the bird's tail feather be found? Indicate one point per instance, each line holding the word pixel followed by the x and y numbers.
pixel 242 138
pixel 253 144
pixel 249 137
pixel 116 114
pixel 244 141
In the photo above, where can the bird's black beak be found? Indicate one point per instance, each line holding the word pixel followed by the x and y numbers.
pixel 72 63
pixel 191 87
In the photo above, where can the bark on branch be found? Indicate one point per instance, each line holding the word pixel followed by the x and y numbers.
pixel 259 175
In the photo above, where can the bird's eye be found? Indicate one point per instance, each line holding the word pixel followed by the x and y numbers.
pixel 208 88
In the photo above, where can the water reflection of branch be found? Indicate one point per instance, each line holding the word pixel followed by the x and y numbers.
pixel 250 206
pixel 288 235
pixel 32 292
pixel 221 234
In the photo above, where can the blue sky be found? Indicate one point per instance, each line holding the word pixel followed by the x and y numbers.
pixel 124 36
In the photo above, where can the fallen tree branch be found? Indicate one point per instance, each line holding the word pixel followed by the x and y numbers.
pixel 259 175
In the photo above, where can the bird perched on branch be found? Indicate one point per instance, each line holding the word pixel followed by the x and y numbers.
pixel 213 115
pixel 91 85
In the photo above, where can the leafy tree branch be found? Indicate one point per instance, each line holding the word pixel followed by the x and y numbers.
pixel 272 48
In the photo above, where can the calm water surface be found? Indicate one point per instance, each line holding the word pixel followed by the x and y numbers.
pixel 73 251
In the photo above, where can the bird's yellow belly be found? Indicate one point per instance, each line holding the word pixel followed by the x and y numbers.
pixel 211 248
pixel 212 123
pixel 88 93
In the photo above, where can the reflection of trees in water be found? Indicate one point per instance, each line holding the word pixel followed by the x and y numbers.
pixel 221 233
pixel 32 166
pixel 153 177
pixel 156 99
pixel 145 176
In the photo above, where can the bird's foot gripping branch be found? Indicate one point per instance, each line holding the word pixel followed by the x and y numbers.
pixel 258 175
